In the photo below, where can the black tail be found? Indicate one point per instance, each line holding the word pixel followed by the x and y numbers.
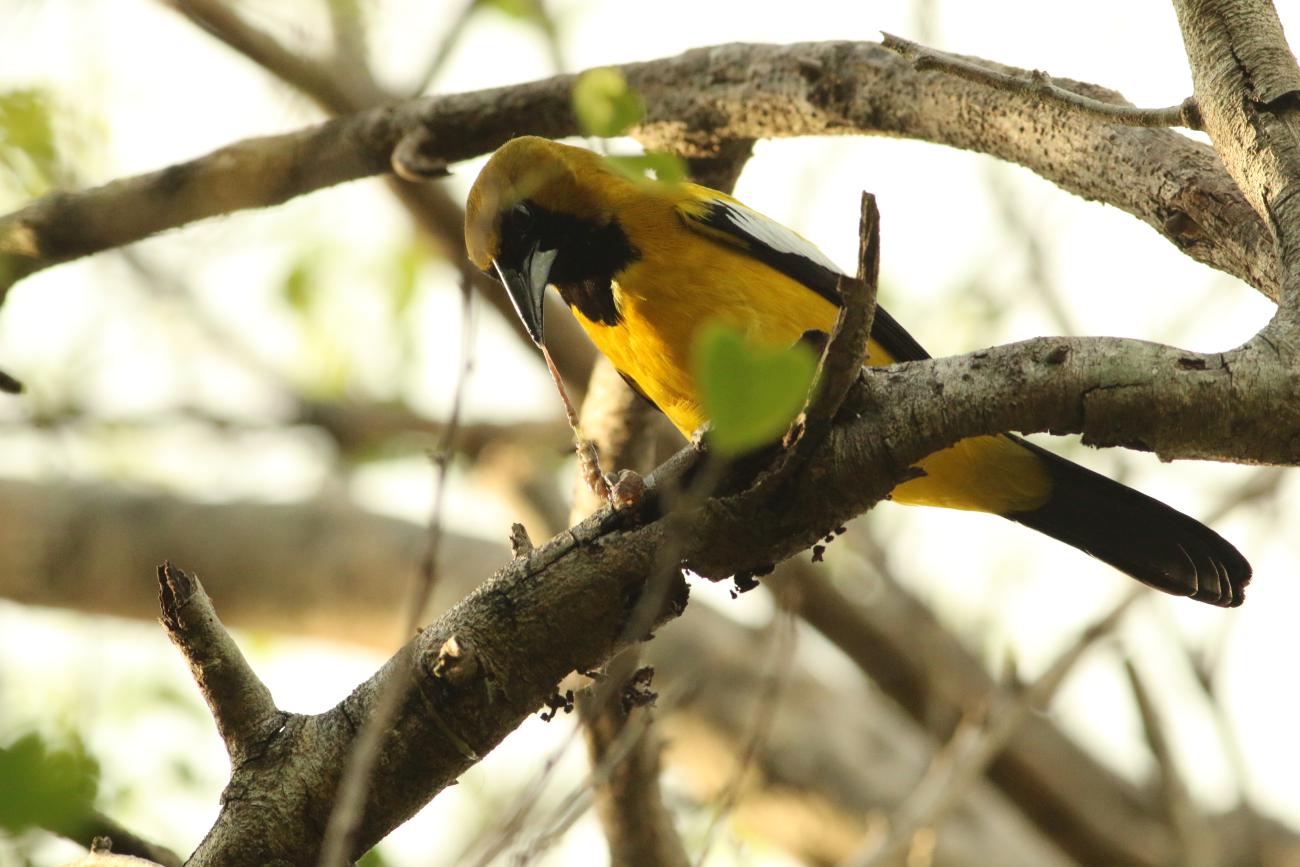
pixel 1141 537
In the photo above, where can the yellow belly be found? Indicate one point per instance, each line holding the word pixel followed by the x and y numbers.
pixel 652 345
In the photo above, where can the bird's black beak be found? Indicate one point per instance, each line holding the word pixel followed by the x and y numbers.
pixel 525 283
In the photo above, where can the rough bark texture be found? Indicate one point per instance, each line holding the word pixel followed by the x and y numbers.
pixel 1169 181
pixel 565 606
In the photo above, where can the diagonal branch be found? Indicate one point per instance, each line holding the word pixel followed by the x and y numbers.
pixel 241 705
pixel 564 606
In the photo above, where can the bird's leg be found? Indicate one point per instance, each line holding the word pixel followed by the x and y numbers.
pixel 620 491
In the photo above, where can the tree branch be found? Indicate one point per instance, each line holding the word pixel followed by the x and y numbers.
pixel 241 705
pixel 973 747
pixel 342 86
pixel 1039 84
pixel 756 91
pixel 1248 86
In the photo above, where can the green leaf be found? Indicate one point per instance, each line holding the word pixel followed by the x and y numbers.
pixel 526 10
pixel 27 140
pixel 44 786
pixel 604 104
pixel 751 393
pixel 406 277
pixel 298 286
pixel 665 167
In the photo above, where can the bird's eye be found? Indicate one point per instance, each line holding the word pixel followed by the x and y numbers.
pixel 521 216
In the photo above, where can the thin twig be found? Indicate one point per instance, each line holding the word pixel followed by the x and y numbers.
pixel 438 57
pixel 10 384
pixel 767 702
pixel 1197 845
pixel 349 803
pixel 1040 84
pixel 963 760
pixel 241 705
pixel 846 351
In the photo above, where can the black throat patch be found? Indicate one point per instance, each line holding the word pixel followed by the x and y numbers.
pixel 589 257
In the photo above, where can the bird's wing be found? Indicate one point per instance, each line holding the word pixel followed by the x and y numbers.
pixel 726 220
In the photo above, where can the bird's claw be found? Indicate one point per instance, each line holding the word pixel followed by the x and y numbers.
pixel 625 490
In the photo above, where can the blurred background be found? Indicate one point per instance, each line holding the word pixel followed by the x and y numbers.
pixel 254 397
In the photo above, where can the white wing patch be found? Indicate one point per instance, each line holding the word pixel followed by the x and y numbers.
pixel 772 234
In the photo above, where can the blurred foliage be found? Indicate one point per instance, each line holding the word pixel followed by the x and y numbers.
pixel 750 392
pixel 45 786
pixel 29 156
pixel 607 107
pixel 604 104
pixel 531 11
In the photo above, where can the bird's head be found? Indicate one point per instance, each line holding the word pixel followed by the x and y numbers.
pixel 524 209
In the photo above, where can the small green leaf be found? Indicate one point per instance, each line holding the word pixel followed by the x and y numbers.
pixel 526 10
pixel 28 147
pixel 751 393
pixel 406 277
pixel 44 786
pixel 665 167
pixel 604 104
pixel 298 285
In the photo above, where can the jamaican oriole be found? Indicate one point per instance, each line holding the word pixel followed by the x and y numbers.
pixel 642 265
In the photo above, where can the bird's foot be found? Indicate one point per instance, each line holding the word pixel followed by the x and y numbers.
pixel 625 490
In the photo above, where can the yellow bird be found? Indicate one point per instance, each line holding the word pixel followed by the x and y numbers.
pixel 642 265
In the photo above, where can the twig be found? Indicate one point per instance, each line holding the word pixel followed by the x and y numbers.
pixel 438 57
pixel 624 749
pixel 1197 844
pixel 241 705
pixel 846 351
pixel 344 89
pixel 349 803
pixel 767 702
pixel 9 384
pixel 441 459
pixel 963 760
pixel 1040 84
pixel 95 826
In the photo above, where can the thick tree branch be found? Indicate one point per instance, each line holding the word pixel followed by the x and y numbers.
pixel 564 607
pixel 817 766
pixel 755 91
pixel 1248 86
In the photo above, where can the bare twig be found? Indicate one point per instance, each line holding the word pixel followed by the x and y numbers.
pixel 973 746
pixel 345 817
pixel 241 705
pixel 346 88
pixel 1040 84
pixel 438 57
pixel 10 384
pixel 846 350
pixel 441 459
pixel 900 646
pixel 767 701
pixel 95 826
pixel 1197 843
